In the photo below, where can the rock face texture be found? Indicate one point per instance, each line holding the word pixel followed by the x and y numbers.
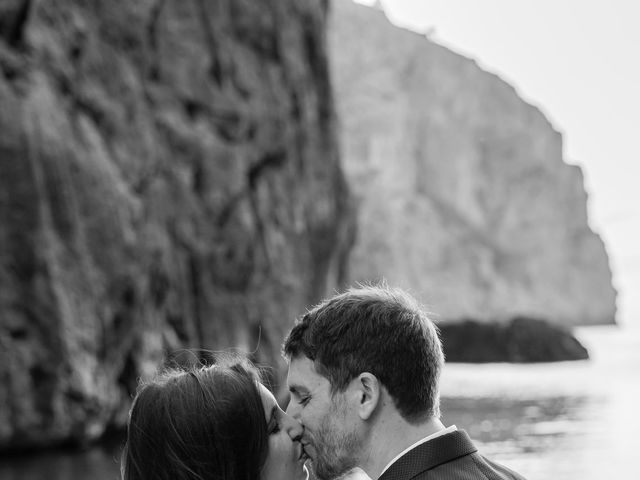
pixel 461 187
pixel 169 179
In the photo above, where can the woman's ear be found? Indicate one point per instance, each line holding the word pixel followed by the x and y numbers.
pixel 367 391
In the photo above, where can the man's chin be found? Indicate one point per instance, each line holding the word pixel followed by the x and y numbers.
pixel 322 473
pixel 313 471
pixel 305 472
pixel 311 466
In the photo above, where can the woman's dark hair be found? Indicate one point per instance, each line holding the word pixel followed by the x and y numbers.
pixel 198 424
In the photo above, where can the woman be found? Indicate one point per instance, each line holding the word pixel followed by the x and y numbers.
pixel 215 422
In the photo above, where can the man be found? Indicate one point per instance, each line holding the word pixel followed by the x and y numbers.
pixel 363 375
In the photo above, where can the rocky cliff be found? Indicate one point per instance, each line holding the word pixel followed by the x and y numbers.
pixel 462 191
pixel 169 179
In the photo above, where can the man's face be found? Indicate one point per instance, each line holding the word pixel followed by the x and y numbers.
pixel 330 437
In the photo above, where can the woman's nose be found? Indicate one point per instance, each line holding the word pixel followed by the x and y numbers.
pixel 293 427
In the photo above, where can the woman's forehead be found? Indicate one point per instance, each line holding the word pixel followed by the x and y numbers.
pixel 268 400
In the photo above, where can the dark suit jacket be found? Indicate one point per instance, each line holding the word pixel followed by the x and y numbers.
pixel 449 457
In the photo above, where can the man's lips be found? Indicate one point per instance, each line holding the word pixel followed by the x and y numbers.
pixel 303 453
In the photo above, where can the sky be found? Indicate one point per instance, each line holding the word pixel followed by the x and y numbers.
pixel 579 62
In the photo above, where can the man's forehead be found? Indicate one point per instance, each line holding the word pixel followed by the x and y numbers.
pixel 302 374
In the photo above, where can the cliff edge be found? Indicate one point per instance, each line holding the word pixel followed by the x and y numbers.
pixel 463 194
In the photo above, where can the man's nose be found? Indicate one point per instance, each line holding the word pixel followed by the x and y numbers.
pixel 293 427
pixel 293 410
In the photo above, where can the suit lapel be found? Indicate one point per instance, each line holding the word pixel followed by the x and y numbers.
pixel 430 454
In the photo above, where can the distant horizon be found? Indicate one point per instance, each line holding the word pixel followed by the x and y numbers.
pixel 587 50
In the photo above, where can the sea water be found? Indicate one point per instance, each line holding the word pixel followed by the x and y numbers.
pixel 560 421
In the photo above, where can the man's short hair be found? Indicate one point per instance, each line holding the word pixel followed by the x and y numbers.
pixel 379 330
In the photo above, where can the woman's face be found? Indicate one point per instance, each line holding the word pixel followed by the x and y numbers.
pixel 285 458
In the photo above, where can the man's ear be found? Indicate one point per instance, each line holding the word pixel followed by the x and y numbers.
pixel 367 394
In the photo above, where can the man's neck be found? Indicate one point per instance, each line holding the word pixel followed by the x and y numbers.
pixel 391 437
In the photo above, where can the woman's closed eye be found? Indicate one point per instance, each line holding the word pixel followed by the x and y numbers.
pixel 273 426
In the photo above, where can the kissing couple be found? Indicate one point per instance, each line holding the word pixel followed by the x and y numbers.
pixel 364 368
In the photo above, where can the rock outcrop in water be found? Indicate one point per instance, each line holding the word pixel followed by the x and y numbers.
pixel 462 191
pixel 519 340
pixel 169 179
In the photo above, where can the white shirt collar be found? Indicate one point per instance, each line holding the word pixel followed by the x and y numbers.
pixel 439 433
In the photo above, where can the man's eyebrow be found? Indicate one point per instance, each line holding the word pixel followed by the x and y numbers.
pixel 297 389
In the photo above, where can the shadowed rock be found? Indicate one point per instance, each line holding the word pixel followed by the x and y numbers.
pixel 520 340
